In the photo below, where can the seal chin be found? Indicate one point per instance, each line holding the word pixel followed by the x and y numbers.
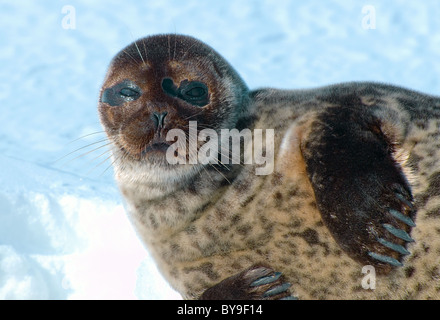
pixel 156 171
pixel 151 165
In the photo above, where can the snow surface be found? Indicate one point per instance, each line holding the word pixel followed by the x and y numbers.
pixel 63 230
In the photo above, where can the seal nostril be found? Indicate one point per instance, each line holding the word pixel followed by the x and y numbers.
pixel 159 118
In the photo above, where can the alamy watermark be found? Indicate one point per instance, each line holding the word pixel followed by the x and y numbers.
pixel 257 150
pixel 369 18
pixel 69 18
pixel 369 280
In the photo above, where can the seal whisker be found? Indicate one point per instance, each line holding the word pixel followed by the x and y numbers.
pixel 100 155
pixel 223 152
pixel 187 52
pixel 137 48
pixel 169 47
pixel 205 126
pixel 83 147
pixel 207 173
pixel 86 153
pixel 145 49
pixel 97 157
pixel 134 60
pixel 93 150
pixel 220 152
pixel 85 136
pixel 119 157
pixel 219 172
pixel 194 115
pixel 191 153
pixel 102 162
pixel 175 45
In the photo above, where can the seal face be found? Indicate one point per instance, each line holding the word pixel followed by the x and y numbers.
pixel 356 180
pixel 161 83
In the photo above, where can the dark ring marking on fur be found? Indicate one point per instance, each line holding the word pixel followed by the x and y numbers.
pixel 396 247
pixel 385 259
pixel 278 289
pixel 266 280
pixel 405 219
pixel 399 233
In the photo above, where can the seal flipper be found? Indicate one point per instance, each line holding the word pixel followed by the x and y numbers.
pixel 255 283
pixel 360 189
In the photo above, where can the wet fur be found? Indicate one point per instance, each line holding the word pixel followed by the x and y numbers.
pixel 204 225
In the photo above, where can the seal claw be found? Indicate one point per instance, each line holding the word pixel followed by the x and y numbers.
pixel 396 247
pixel 255 283
pixel 405 201
pixel 266 280
pixel 400 216
pixel 399 233
pixel 385 259
pixel 277 290
pixel 289 298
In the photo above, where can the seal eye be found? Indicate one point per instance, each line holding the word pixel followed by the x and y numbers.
pixel 121 92
pixel 129 93
pixel 194 92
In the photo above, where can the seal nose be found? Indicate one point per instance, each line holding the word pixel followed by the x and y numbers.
pixel 159 118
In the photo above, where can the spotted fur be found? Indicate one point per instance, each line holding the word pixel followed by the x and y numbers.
pixel 340 151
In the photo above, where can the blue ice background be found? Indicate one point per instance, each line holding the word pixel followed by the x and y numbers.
pixel 63 232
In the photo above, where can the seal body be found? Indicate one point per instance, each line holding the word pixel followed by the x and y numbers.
pixel 355 184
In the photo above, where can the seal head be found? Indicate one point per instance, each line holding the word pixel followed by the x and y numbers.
pixel 160 83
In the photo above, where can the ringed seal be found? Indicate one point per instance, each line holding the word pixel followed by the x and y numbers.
pixel 356 180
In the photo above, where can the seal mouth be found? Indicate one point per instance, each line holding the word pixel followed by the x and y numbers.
pixel 152 151
pixel 158 147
